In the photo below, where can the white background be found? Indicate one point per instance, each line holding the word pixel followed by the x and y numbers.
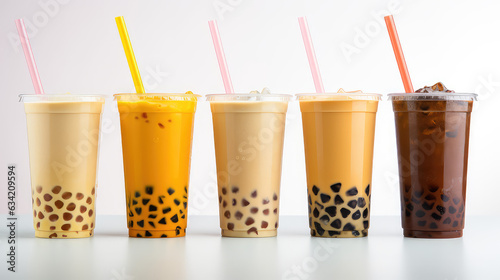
pixel 78 50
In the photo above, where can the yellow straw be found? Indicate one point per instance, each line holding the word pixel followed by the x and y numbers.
pixel 129 53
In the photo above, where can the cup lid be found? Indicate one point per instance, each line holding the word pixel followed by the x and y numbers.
pixel 29 98
pixel 438 96
pixel 338 96
pixel 156 96
pixel 248 97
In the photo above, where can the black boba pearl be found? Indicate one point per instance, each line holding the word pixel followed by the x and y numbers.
pixel 366 224
pixel 319 205
pixel 445 198
pixel 460 209
pixel 185 205
pixel 166 210
pixel 183 216
pixel 336 187
pixel 409 206
pixel 315 190
pixel 407 213
pixel 161 197
pixel 415 200
pixel 319 229
pixel 149 190
pixel 452 210
pixel 313 232
pixel 162 221
pixel 441 209
pixel 309 198
pixel 420 213
pixel 325 198
pixel 361 202
pixel 356 215
pixel 455 224
pixel 430 197
pixel 336 224
pixel 418 193
pixel 170 191
pixel 427 206
pixel 433 225
pixel 174 218
pixel 355 233
pixel 148 233
pixel 436 216
pixel 333 232
pixel 407 188
pixel 145 201
pixel 345 212
pixel 352 191
pixel 134 202
pixel 315 213
pixel 367 190
pixel 137 194
pixel 338 200
pixel 140 223
pixel 310 222
pixel 348 227
pixel 447 221
pixel 433 188
pixel 309 209
pixel 138 210
pixel 152 224
pixel 365 213
pixel 456 201
pixel 353 203
pixel 131 223
pixel 130 214
pixel 139 235
pixel 152 216
pixel 177 202
pixel 163 235
pixel 422 223
pixel 331 210
pixel 152 208
pixel 324 219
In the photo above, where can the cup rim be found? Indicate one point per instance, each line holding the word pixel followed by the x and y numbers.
pixel 332 95
pixel 61 97
pixel 433 96
pixel 238 97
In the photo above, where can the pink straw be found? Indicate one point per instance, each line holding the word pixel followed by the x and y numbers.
pixel 219 51
pixel 30 59
pixel 311 55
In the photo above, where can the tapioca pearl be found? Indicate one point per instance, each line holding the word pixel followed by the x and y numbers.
pixel 34 213
pixel 79 219
pixel 355 233
pixel 319 229
pixel 430 197
pixel 38 202
pixel 178 230
pixel 161 197
pixel 79 196
pixel 266 212
pixel 83 209
pixel 460 209
pixel 39 189
pixel 67 216
pixel 365 213
pixel 54 235
pixel 348 227
pixel 227 214
pixel 315 213
pixel 138 210
pixel 310 221
pixel 66 227
pixel 345 212
pixel 309 199
pixel 234 202
pixel 325 198
pixel 245 202
pixel 249 221
pixel 427 206
pixel 137 194
pixel 331 210
pixel 319 205
pixel 418 193
pixel 238 215
pixel 315 190
pixel 456 201
pixel 361 202
pixel 336 224
pixel 224 204
pixel 235 189
pixel 433 225
pixel 353 203
pixel 441 209
pixel 356 215
pixel 436 216
pixel 91 212
pixel 93 191
pixel 409 206
pixel 275 211
pixel 253 230
pixel 134 202
pixel 265 201
pixel 71 206
pixel 313 232
pixel 85 227
pixel 166 210
pixel 264 224
pixel 452 210
pixel 152 216
pixel 53 217
pixel 420 213
pixel 275 197
pixel 230 226
pixel 455 224
pixel 174 218
pixel 67 195
pixel 220 199
pixel 415 200
pixel 40 215
pixel 153 208
pixel 447 221
pixel 254 194
pixel 52 227
pixel 367 190
pixel 458 215
pixel 421 223
pixel 352 191
pixel 56 189
pixel 140 223
pixel 276 225
pixel 32 201
pixel 333 232
pixel 144 201
pixel 338 200
pixel 324 219
pixel 47 197
pixel 433 188
pixel 138 235
pixel 38 225
pixel 444 198
pixel 162 221
pixel 366 224
pixel 224 190
pixel 152 224
pixel 407 213
pixel 147 234
pixel 170 191
pixel 254 210
pixel 48 208
pixel 336 187
pixel 149 190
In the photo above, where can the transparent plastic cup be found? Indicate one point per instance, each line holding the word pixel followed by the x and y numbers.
pixel 432 131
pixel 339 131
pixel 63 139
pixel 157 132
pixel 248 135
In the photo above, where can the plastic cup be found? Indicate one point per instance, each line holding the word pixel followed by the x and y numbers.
pixel 248 135
pixel 432 131
pixel 63 138
pixel 157 131
pixel 339 131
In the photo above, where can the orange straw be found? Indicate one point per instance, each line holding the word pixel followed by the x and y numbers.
pixel 398 52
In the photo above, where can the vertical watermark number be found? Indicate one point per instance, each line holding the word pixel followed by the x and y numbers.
pixel 11 218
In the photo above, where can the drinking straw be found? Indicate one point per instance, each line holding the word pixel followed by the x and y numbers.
pixel 30 59
pixel 398 52
pixel 221 57
pixel 129 53
pixel 311 55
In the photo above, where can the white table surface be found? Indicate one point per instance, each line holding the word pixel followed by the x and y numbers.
pixel 203 254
